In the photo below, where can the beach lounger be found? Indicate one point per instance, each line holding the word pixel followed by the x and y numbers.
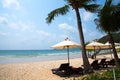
pixel 66 70
pixel 63 68
pixel 102 63
pixel 111 62
pixel 95 65
pixel 78 70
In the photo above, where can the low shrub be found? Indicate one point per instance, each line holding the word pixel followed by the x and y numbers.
pixel 110 74
pixel 107 75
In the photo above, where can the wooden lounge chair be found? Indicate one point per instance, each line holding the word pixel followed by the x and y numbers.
pixel 63 68
pixel 95 65
pixel 66 70
pixel 78 70
pixel 111 62
pixel 102 63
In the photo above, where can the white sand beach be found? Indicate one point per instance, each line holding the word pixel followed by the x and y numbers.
pixel 36 70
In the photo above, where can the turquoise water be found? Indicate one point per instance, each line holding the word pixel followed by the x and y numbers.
pixel 16 56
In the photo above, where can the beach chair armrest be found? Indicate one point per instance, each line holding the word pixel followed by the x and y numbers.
pixel 54 71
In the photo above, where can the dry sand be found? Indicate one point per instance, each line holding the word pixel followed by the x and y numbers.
pixel 36 70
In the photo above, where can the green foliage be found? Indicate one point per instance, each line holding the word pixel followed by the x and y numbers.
pixel 116 37
pixel 74 4
pixel 109 22
pixel 60 11
pixel 108 75
pixel 91 7
pixel 118 49
pixel 95 76
pixel 109 17
pixel 87 43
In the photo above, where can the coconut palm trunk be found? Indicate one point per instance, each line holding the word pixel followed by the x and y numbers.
pixel 114 50
pixel 85 59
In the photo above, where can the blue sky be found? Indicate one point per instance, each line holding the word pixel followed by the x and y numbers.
pixel 23 25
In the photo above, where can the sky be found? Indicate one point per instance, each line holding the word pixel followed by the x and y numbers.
pixel 23 25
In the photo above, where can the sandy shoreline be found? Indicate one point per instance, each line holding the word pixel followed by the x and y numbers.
pixel 36 70
pixel 33 70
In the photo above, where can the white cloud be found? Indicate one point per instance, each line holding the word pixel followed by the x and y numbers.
pixel 66 27
pixel 92 34
pixel 10 4
pixel 21 26
pixel 13 25
pixel 3 20
pixel 43 33
pixel 3 34
pixel 84 30
pixel 87 16
pixel 70 19
pixel 26 26
pixel 63 36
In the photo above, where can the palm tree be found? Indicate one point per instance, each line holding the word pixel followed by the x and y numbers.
pixel 109 22
pixel 76 4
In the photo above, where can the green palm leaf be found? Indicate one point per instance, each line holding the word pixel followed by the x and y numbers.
pixel 60 11
pixel 91 7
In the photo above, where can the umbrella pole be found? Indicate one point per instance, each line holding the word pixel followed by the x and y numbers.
pixel 68 53
pixel 110 51
pixel 94 53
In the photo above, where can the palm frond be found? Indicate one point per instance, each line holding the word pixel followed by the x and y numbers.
pixel 108 2
pixel 81 2
pixel 118 8
pixel 97 22
pixel 68 1
pixel 109 17
pixel 92 7
pixel 92 0
pixel 60 11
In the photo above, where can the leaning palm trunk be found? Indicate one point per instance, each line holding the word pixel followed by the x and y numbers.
pixel 85 59
pixel 114 50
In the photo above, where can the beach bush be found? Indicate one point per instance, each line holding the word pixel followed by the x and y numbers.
pixel 118 49
pixel 107 75
pixel 94 76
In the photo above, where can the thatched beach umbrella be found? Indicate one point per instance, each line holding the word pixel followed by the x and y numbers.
pixel 116 44
pixel 109 45
pixel 66 45
pixel 95 46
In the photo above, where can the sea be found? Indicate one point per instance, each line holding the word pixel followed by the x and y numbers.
pixel 20 56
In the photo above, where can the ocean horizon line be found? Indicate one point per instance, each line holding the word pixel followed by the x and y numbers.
pixel 39 49
pixel 11 56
